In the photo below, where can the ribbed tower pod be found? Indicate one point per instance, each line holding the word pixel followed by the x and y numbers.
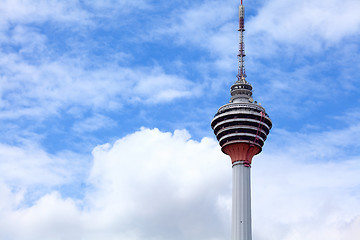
pixel 241 127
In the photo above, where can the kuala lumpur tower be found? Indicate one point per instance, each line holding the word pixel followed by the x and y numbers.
pixel 241 127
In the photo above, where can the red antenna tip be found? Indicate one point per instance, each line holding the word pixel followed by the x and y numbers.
pixel 241 2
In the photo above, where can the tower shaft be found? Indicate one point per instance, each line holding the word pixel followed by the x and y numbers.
pixel 241 156
pixel 241 202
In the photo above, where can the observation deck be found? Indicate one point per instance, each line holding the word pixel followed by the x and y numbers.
pixel 241 120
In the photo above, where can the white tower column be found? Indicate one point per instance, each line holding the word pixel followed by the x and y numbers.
pixel 241 201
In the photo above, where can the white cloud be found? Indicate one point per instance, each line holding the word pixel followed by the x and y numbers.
pixel 51 216
pixel 155 86
pixel 171 180
pixel 30 11
pixel 208 25
pixel 48 83
pixel 297 91
pixel 305 200
pixel 93 123
pixel 156 185
pixel 28 172
pixel 29 165
pixel 118 5
pixel 279 25
pixel 312 25
pixel 146 185
pixel 28 39
pixel 39 91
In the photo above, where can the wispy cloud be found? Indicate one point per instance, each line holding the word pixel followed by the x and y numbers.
pixel 312 25
pixel 39 81
pixel 207 25
pixel 29 11
pixel 93 123
pixel 47 88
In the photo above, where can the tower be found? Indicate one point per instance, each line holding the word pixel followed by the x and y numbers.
pixel 241 127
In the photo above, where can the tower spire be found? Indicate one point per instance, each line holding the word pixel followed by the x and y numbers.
pixel 241 55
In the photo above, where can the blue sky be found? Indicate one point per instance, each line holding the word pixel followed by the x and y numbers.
pixel 105 109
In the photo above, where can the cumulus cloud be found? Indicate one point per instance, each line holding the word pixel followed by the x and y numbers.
pixel 30 165
pixel 293 200
pixel 159 185
pixel 171 182
pixel 145 185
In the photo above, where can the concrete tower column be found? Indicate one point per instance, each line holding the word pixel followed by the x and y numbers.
pixel 241 202
pixel 241 155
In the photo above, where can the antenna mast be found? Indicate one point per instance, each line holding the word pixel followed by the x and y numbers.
pixel 241 55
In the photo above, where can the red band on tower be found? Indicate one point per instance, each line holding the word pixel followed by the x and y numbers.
pixel 241 152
